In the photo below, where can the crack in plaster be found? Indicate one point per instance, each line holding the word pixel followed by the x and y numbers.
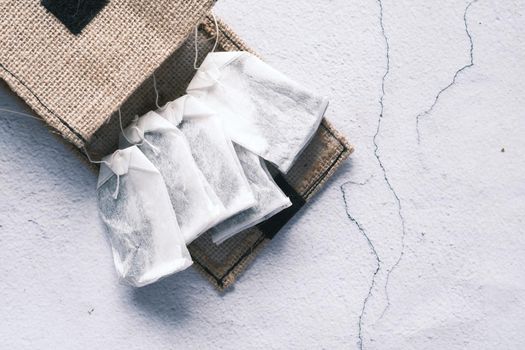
pixel 381 165
pixel 374 252
pixel 391 189
pixel 453 82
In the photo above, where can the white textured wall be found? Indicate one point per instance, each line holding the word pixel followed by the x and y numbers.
pixel 427 253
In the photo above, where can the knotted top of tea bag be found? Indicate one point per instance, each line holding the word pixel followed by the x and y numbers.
pixel 149 122
pixel 209 72
pixel 182 108
pixel 120 162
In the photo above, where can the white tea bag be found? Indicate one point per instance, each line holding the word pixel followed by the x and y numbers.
pixel 196 205
pixel 270 198
pixel 213 152
pixel 262 109
pixel 135 207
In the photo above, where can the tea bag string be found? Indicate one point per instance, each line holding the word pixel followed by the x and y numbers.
pixel 197 40
pixel 115 193
pixel 154 148
pixel 20 113
pixel 156 90
pixel 36 118
pixel 108 164
pixel 139 132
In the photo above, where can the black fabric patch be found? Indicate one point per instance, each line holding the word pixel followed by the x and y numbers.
pixel 271 226
pixel 74 14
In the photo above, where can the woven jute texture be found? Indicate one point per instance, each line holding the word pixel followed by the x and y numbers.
pixel 221 265
pixel 74 82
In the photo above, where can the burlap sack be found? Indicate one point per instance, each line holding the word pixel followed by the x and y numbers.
pixel 86 114
pixel 76 81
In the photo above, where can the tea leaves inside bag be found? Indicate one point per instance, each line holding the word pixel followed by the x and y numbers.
pixel 195 203
pixel 213 152
pixel 261 108
pixel 142 228
pixel 270 198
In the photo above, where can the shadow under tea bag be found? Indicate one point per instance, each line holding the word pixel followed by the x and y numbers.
pixel 213 152
pixel 135 207
pixel 262 109
pixel 196 205
pixel 270 198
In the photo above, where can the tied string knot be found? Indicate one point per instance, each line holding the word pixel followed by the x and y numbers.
pixel 115 194
pixel 115 158
pixel 211 76
pixel 140 134
pixel 143 140
pixel 196 40
pixel 115 164
pixel 206 79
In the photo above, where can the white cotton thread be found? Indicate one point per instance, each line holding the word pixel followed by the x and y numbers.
pixel 20 113
pixel 216 32
pixel 121 128
pixel 108 164
pixel 36 118
pixel 28 116
pixel 94 161
pixel 197 40
pixel 140 133
pixel 116 192
pixel 156 90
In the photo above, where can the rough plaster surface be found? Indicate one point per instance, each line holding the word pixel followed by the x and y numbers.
pixel 413 245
